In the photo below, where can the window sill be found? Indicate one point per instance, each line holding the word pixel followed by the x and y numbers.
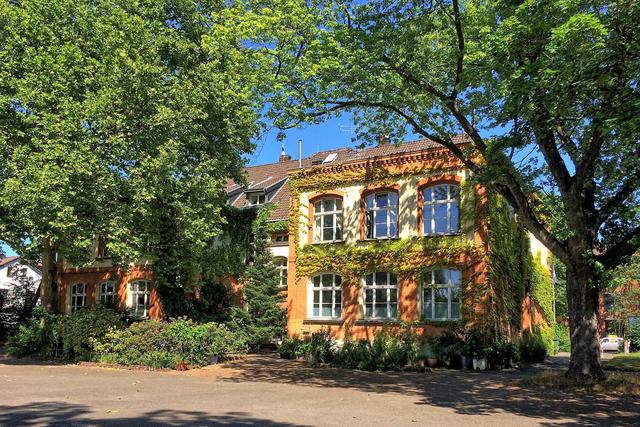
pixel 319 321
pixel 431 235
pixel 374 322
pixel 327 242
pixel 379 239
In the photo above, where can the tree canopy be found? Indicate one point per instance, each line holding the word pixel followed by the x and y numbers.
pixel 116 115
pixel 547 92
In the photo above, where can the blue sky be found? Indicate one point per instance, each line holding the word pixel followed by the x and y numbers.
pixel 334 133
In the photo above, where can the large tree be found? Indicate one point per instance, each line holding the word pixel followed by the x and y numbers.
pixel 546 91
pixel 115 114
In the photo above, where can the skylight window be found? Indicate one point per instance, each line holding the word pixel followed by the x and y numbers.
pixel 330 158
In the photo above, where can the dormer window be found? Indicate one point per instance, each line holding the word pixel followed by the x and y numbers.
pixel 256 199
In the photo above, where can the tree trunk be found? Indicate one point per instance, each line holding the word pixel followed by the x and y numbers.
pixel 48 285
pixel 582 299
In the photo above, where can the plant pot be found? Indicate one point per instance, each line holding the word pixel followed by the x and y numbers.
pixel 479 364
pixel 467 363
pixel 212 359
pixel 432 362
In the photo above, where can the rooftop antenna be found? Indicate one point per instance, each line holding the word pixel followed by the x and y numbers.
pixel 300 153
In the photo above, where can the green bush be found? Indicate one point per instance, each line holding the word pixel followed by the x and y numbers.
pixel 320 349
pixel 448 347
pixel 562 336
pixel 79 331
pixel 163 344
pixel 502 354
pixel 292 348
pixel 633 335
pixel 532 349
pixel 38 337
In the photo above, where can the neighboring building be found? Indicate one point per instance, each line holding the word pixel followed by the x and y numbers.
pixel 105 284
pixel 14 272
pixel 382 238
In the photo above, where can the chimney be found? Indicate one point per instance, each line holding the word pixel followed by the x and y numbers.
pixel 284 157
pixel 383 139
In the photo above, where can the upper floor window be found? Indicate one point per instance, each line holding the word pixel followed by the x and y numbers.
pixel 281 263
pixel 381 295
pixel 440 209
pixel 108 293
pixel 78 296
pixel 381 215
pixel 441 295
pixel 279 239
pixel 326 295
pixel 139 292
pixel 256 199
pixel 327 220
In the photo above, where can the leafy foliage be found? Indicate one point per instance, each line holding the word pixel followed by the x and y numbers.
pixel 123 118
pixel 78 332
pixel 533 348
pixel 37 337
pixel 165 344
pixel 261 318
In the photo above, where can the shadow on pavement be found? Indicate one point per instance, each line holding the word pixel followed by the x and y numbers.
pixel 61 413
pixel 467 393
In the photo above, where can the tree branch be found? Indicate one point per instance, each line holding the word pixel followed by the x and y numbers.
pixel 547 144
pixel 460 58
pixel 627 188
pixel 627 246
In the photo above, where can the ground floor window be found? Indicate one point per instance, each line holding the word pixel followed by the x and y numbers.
pixel 108 293
pixel 78 296
pixel 381 295
pixel 139 298
pixel 326 296
pixel 441 295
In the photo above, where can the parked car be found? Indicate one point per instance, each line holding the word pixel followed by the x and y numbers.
pixel 611 343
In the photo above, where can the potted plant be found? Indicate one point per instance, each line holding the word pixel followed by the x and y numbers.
pixel 429 356
pixel 466 357
pixel 480 359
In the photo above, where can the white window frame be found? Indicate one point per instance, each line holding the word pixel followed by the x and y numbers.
pixel 449 202
pixel 391 290
pixel 370 214
pixel 133 304
pixel 75 294
pixel 429 286
pixel 282 265
pixel 103 294
pixel 256 199
pixel 320 216
pixel 335 287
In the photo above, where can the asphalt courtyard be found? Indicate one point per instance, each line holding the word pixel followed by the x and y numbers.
pixel 268 391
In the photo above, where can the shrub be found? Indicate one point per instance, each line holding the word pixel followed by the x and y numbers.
pixel 320 349
pixel 502 354
pixel 38 337
pixel 633 335
pixel 79 331
pixel 292 348
pixel 563 338
pixel 448 347
pixel 165 344
pixel 532 349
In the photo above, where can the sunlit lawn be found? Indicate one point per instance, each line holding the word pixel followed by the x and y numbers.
pixel 629 361
pixel 615 383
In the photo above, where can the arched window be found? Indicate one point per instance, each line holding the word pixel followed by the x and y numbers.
pixel 326 296
pixel 381 295
pixel 78 297
pixel 108 293
pixel 381 215
pixel 440 209
pixel 281 263
pixel 327 219
pixel 139 291
pixel 441 295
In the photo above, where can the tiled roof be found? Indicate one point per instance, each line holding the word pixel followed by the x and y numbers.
pixel 7 260
pixel 269 176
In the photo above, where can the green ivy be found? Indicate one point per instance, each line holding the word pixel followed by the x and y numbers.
pixel 277 226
